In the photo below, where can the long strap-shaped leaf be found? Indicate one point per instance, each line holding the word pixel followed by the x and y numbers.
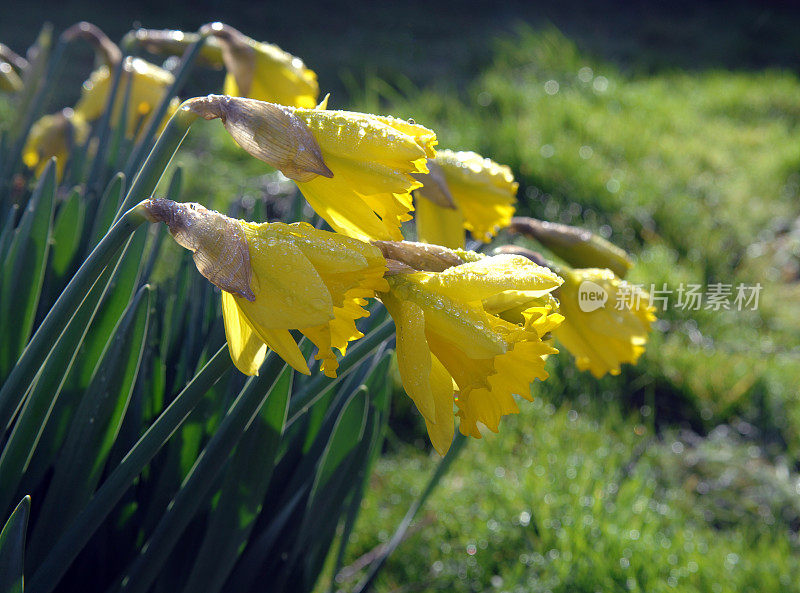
pixel 242 493
pixel 36 351
pixel 94 426
pixel 23 269
pixel 319 385
pixel 44 396
pixel 12 548
pixel 86 523
pixel 200 480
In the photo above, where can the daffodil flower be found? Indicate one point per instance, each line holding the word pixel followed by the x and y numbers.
pixel 464 191
pixel 452 347
pixel 149 86
pixel 354 169
pixel 607 330
pixel 54 136
pixel 263 71
pixel 277 277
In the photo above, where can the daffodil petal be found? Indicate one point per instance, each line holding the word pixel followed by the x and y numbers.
pixel 437 225
pixel 413 355
pixel 247 349
pixel 478 280
pixel 442 430
pixel 285 279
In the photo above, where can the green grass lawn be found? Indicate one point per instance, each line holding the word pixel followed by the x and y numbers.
pixel 680 474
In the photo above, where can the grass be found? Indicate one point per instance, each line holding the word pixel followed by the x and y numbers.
pixel 626 483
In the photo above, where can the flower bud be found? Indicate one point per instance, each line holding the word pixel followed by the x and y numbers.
pixel 167 42
pixel 104 48
pixel 418 256
pixel 271 133
pixel 578 247
pixel 217 242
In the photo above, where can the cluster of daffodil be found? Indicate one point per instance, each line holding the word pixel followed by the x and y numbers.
pixel 472 330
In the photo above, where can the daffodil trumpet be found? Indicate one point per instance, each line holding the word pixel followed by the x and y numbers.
pixel 605 332
pixel 355 169
pixel 278 277
pixel 463 190
pixel 454 349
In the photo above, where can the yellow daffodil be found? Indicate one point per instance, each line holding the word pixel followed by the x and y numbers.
pixel 149 86
pixel 450 340
pixel 277 277
pixel 606 320
pixel 263 71
pixel 354 169
pixel 54 136
pixel 464 191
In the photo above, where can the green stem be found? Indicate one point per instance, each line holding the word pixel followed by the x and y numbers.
pixel 181 76
pixel 108 495
pixel 37 350
pixel 159 158
pixel 399 535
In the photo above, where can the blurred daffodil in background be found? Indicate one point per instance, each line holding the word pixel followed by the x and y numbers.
pixel 463 190
pixel 277 277
pixel 263 71
pixel 355 169
pixel 149 85
pixel 54 136
pixel 614 333
pixel 452 348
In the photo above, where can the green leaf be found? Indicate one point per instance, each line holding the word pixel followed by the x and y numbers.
pixel 7 233
pixel 30 362
pixel 67 232
pixel 107 208
pixel 242 493
pixel 334 480
pixel 381 392
pixel 102 131
pixel 115 301
pixel 72 541
pixel 94 426
pixel 12 548
pixel 42 400
pixel 23 269
pixel 198 483
pixel 399 534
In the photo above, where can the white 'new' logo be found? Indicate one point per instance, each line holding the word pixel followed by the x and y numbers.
pixel 591 296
